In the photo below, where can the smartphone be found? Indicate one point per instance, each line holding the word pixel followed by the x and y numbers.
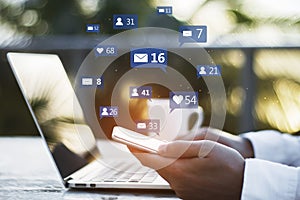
pixel 137 140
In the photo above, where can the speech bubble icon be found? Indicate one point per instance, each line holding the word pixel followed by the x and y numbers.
pixel 149 58
pixel 192 34
pixel 142 92
pixel 148 125
pixel 166 10
pixel 106 50
pixel 108 111
pixel 93 28
pixel 121 21
pixel 208 70
pixel 183 100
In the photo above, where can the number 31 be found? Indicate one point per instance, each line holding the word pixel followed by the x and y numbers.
pixel 129 21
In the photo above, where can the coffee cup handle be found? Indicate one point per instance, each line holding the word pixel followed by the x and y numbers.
pixel 199 121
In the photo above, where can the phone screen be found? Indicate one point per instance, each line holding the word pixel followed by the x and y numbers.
pixel 137 140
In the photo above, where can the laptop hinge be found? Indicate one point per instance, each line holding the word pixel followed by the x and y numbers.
pixel 66 181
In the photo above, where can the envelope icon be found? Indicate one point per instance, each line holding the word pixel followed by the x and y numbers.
pixel 161 10
pixel 87 81
pixel 187 33
pixel 141 125
pixel 90 28
pixel 140 58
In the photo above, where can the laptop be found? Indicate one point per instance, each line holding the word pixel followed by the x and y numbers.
pixel 80 159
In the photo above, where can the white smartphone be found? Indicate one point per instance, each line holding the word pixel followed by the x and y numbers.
pixel 137 140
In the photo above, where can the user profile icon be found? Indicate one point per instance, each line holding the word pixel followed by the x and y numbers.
pixel 104 111
pixel 202 71
pixel 119 22
pixel 125 21
pixel 134 92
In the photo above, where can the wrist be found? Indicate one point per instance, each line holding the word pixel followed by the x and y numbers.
pixel 246 148
pixel 242 180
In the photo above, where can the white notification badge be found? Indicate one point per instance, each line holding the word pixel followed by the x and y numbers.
pixel 106 50
pixel 149 58
pixel 140 58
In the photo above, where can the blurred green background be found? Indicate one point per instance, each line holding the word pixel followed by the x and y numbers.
pixel 256 42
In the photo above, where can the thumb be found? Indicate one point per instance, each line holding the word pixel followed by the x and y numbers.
pixel 187 149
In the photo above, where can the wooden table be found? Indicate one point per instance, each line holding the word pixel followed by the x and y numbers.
pixel 27 173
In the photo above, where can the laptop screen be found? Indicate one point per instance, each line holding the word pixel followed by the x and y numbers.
pixel 52 101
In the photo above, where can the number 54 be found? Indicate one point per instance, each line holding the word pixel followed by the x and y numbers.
pixel 189 100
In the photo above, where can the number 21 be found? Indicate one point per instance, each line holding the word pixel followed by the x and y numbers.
pixel 214 71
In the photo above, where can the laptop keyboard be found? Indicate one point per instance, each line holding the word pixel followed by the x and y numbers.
pixel 131 173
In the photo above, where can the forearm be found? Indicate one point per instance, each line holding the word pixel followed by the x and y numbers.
pixel 276 147
pixel 241 144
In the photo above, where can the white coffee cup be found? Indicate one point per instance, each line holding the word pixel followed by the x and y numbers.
pixel 177 123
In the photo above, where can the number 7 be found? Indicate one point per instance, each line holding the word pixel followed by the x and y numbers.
pixel 200 32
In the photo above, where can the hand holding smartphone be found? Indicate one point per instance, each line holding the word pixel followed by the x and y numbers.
pixel 137 140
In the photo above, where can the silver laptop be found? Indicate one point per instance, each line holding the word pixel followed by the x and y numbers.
pixel 80 159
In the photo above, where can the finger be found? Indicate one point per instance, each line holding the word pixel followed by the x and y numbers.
pixel 201 134
pixel 187 149
pixel 154 161
pixel 191 136
pixel 211 134
pixel 219 136
pixel 160 164
pixel 135 150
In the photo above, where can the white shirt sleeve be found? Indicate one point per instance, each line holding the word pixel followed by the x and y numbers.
pixel 276 147
pixel 271 180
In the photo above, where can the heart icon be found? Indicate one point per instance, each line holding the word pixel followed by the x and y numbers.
pixel 177 99
pixel 99 50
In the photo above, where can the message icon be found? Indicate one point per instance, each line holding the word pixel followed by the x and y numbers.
pixel 140 58
pixel 91 82
pixel 141 126
pixel 148 125
pixel 187 33
pixel 92 28
pixel 166 10
pixel 183 100
pixel 86 81
pixel 192 34
pixel 149 58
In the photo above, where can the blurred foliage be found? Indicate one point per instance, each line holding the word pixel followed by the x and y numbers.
pixel 50 124
pixel 68 17
pixel 241 18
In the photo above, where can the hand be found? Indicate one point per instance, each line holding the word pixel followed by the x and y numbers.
pixel 217 175
pixel 242 145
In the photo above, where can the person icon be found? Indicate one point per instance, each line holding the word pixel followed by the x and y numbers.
pixel 134 92
pixel 202 71
pixel 119 22
pixel 104 112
